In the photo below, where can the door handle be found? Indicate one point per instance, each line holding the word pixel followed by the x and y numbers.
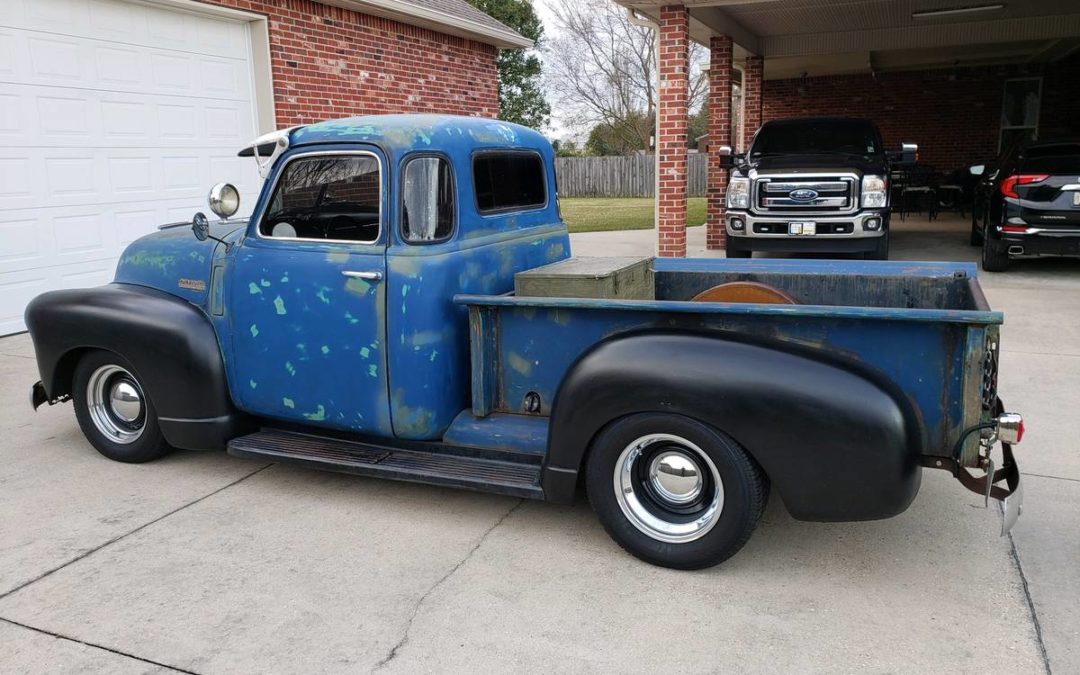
pixel 366 276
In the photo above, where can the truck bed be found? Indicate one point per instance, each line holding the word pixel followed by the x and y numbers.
pixel 925 328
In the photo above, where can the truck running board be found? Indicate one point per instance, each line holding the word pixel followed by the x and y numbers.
pixel 331 454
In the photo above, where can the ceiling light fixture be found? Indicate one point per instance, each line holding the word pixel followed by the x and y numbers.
pixel 952 11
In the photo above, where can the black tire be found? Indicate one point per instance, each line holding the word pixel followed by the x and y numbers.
pixel 995 257
pixel 881 249
pixel 976 235
pixel 733 251
pixel 149 443
pixel 744 490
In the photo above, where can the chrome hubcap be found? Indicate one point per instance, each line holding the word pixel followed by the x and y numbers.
pixel 115 402
pixel 668 488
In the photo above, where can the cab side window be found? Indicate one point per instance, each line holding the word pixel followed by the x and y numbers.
pixel 509 181
pixel 427 194
pixel 331 197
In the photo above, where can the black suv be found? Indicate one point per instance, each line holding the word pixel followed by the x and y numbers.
pixel 1027 203
pixel 811 184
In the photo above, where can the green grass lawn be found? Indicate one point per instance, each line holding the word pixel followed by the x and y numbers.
pixel 594 214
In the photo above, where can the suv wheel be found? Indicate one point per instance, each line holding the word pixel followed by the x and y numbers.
pixel 976 236
pixel 113 410
pixel 881 250
pixel 674 492
pixel 995 258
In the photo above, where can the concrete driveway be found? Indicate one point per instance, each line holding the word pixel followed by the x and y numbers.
pixel 205 563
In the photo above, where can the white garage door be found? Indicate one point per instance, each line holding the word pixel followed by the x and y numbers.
pixel 115 117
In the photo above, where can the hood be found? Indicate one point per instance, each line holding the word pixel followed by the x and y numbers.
pixel 174 261
pixel 818 163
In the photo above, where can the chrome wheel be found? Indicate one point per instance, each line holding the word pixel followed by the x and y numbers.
pixel 668 488
pixel 116 404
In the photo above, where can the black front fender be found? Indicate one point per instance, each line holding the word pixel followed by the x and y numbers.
pixel 836 445
pixel 168 341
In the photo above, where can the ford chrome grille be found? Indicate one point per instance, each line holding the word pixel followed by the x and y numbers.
pixel 804 194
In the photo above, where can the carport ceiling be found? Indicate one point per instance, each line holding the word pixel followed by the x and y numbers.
pixel 820 37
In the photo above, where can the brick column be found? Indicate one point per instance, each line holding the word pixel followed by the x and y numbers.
pixel 671 147
pixel 720 48
pixel 753 74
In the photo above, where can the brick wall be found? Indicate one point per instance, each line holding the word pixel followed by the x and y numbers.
pixel 954 115
pixel 329 62
pixel 720 133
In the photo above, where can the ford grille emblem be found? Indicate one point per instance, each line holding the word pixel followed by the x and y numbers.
pixel 803 195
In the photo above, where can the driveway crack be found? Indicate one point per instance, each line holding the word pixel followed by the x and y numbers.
pixel 1031 605
pixel 60 636
pixel 392 654
pixel 115 539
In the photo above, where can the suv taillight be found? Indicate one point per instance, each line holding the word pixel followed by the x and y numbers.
pixel 1008 186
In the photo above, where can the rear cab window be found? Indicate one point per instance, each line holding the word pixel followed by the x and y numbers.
pixel 427 200
pixel 506 180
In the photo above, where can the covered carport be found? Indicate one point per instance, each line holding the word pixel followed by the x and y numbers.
pixel 959 78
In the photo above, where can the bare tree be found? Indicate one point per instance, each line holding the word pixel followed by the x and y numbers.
pixel 601 69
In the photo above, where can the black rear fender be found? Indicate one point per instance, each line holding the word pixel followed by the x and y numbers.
pixel 836 445
pixel 168 341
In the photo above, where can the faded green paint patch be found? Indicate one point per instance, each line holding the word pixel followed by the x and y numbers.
pixel 373 370
pixel 337 257
pixel 560 317
pixel 357 286
pixel 254 289
pixel 264 283
pixel 254 330
pixel 288 403
pixel 324 349
pixel 426 337
pixel 279 306
pixel 434 355
pixel 519 363
pixel 317 416
pixel 351 319
pixel 149 259
pixel 252 383
pixel 528 312
pixel 195 255
pixel 322 295
pixel 364 352
pixel 290 368
pixel 407 266
pixel 285 278
pixel 404 290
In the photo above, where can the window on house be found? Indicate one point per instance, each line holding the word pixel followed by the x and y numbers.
pixel 322 197
pixel 427 212
pixel 508 181
pixel 1020 111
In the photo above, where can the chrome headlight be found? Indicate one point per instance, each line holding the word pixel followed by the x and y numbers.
pixel 738 193
pixel 875 192
pixel 224 200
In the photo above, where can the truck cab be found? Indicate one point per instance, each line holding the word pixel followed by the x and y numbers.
pixel 371 317
pixel 812 185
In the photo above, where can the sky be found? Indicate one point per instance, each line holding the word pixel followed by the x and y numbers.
pixel 557 126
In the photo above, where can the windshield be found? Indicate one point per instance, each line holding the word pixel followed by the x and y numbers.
pixel 817 137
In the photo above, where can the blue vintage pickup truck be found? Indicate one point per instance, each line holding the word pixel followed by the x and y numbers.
pixel 363 320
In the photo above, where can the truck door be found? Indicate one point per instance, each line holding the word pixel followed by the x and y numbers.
pixel 306 297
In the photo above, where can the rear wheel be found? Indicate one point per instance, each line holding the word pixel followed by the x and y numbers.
pixel 995 257
pixel 674 492
pixel 113 410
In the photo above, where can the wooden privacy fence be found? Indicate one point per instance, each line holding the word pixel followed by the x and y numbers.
pixel 632 176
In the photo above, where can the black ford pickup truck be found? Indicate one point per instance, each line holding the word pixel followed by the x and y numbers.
pixel 811 185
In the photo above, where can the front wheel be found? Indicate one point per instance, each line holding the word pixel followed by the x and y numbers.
pixel 881 248
pixel 113 410
pixel 674 492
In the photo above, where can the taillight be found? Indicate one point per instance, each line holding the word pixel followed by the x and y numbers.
pixel 1008 186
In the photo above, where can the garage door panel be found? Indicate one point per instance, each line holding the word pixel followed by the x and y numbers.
pixel 128 23
pixel 115 118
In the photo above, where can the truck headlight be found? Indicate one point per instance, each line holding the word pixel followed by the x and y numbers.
pixel 738 193
pixel 875 192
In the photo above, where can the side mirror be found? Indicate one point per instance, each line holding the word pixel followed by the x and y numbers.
pixel 977 169
pixel 224 200
pixel 909 153
pixel 727 158
pixel 200 226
